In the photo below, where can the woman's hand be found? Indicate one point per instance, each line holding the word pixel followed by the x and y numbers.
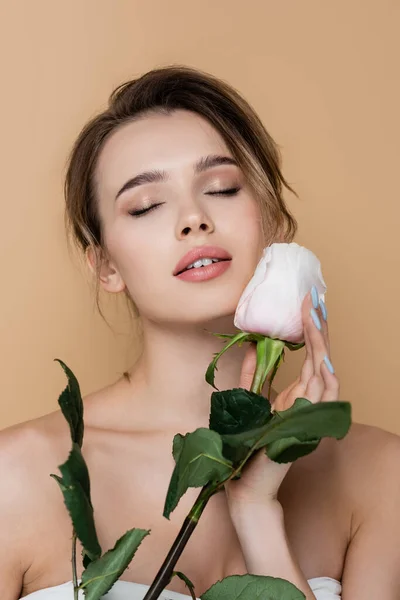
pixel 261 478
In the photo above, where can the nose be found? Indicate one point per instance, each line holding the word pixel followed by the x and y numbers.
pixel 193 223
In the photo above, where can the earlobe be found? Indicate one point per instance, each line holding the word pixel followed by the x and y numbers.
pixel 109 277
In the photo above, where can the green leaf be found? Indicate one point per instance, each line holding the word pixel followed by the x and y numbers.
pixel 86 560
pixel 75 487
pixel 290 449
pixel 177 446
pixel 310 422
pixel 199 460
pixel 187 582
pixel 212 367
pixel 59 481
pixel 223 336
pixel 235 411
pixel 292 346
pixel 70 401
pixel 252 587
pixel 102 573
pixel 75 470
pixel 304 421
pixel 172 498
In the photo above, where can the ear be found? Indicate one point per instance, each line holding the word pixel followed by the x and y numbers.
pixel 109 276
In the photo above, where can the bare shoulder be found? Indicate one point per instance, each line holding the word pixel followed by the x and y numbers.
pixel 24 448
pixel 33 506
pixel 29 449
pixel 357 468
pixel 369 446
pixel 368 460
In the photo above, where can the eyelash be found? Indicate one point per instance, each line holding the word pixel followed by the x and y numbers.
pixel 142 211
pixel 227 192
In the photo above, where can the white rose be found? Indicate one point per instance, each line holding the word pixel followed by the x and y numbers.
pixel 271 302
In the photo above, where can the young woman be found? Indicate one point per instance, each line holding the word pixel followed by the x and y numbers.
pixel 176 170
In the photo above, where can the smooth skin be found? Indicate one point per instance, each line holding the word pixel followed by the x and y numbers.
pixel 334 513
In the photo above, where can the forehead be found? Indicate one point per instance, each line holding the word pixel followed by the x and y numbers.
pixel 158 141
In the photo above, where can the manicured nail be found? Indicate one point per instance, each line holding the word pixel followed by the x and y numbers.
pixel 314 296
pixel 315 318
pixel 329 364
pixel 323 309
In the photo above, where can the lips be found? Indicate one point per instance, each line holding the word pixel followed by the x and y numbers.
pixel 198 253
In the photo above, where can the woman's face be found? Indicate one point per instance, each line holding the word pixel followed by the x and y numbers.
pixel 187 212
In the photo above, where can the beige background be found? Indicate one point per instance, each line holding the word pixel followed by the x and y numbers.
pixel 323 76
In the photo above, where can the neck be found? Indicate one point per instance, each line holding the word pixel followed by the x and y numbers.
pixel 171 371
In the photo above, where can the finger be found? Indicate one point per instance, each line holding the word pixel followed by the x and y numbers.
pixel 322 314
pixel 316 349
pixel 331 384
pixel 315 389
pixel 307 370
pixel 312 382
pixel 248 367
pixel 308 366
pixel 313 326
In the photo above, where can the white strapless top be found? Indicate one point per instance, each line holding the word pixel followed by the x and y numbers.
pixel 324 588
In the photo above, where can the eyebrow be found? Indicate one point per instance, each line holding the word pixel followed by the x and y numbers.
pixel 156 176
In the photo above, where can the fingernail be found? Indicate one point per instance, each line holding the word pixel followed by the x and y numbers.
pixel 323 309
pixel 315 318
pixel 329 364
pixel 314 296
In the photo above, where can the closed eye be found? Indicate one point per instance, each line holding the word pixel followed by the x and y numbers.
pixel 226 192
pixel 142 211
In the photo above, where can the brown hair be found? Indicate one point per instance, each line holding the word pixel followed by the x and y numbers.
pixel 164 90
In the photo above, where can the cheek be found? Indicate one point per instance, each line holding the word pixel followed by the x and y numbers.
pixel 247 212
pixel 252 217
pixel 250 238
pixel 247 226
pixel 125 250
pixel 141 259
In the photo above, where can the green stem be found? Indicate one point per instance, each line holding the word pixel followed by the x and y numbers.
pixel 74 573
pixel 166 570
pixel 164 574
pixel 269 352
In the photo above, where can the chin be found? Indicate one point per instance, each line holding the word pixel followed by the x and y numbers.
pixel 201 306
pixel 217 317
pixel 222 324
pixel 214 307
